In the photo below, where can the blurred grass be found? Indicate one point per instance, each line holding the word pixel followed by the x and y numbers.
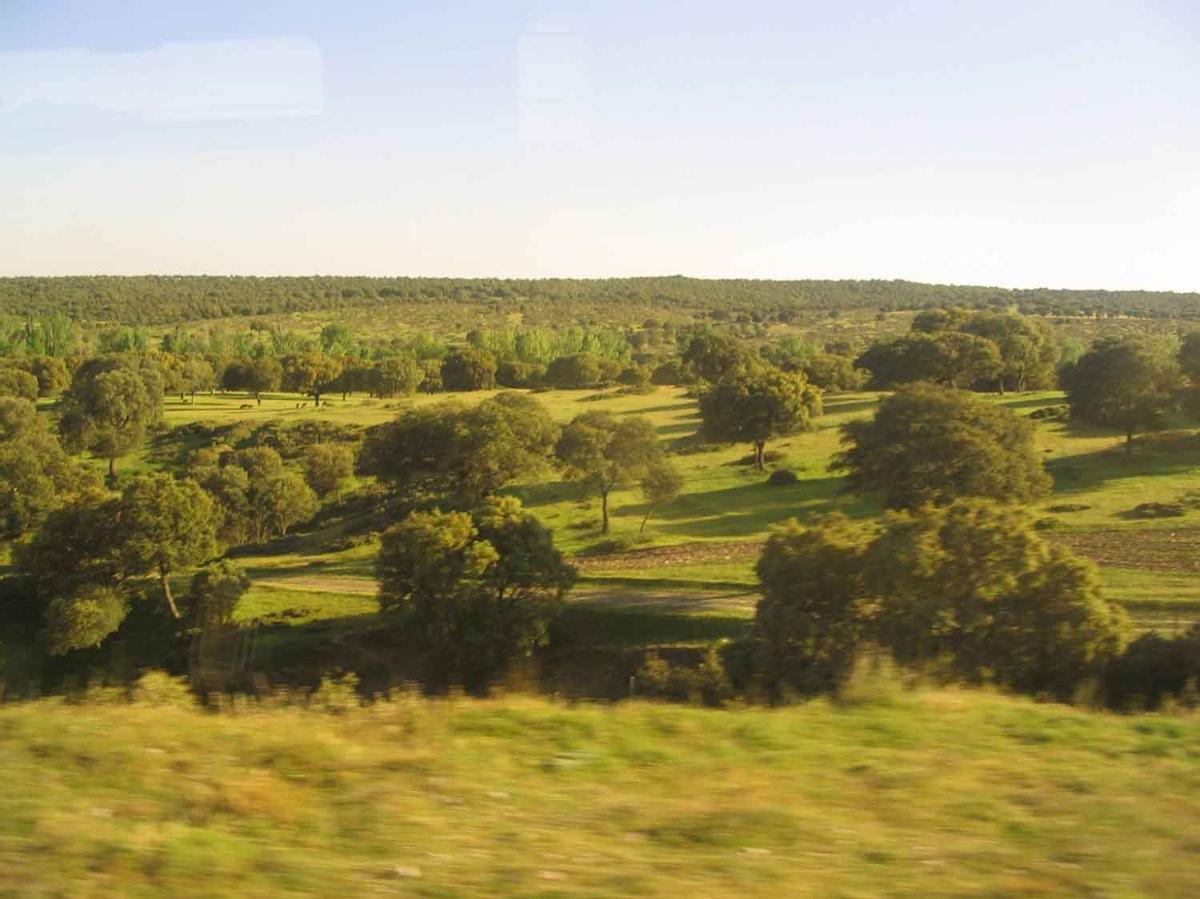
pixel 932 794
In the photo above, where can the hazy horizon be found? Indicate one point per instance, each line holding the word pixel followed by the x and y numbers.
pixel 1014 146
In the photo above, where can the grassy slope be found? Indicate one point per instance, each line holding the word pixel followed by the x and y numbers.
pixel 929 794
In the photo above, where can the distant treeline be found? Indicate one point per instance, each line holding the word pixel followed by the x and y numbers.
pixel 168 299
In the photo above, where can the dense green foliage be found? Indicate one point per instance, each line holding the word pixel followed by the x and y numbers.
pixel 929 444
pixel 971 588
pixel 85 560
pixel 756 406
pixel 467 451
pixel 36 475
pixel 958 348
pixel 1123 383
pixel 161 299
pixel 112 403
pixel 478 588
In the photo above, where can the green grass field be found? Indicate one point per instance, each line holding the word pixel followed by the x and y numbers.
pixel 706 542
pixel 922 794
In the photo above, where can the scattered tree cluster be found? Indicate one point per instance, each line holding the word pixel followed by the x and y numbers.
pixel 977 351
pixel 969 590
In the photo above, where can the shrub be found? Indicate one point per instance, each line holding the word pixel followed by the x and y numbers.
pixel 476 590
pixel 1051 413
pixel 782 477
pixel 929 444
pixel 1152 668
pixel 159 688
pixel 1157 510
pixel 706 683
pixel 971 589
pixel 610 546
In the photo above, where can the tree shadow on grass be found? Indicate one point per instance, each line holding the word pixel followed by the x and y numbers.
pixel 750 509
pixel 834 407
pixel 1030 402
pixel 546 493
pixel 683 427
pixel 583 624
pixel 670 407
pixel 1161 455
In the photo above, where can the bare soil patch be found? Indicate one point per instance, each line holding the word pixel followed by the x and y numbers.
pixel 668 556
pixel 1175 550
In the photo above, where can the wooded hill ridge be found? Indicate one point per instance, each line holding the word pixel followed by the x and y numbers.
pixel 165 299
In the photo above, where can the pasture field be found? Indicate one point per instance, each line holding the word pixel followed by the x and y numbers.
pixel 704 544
pixel 887 792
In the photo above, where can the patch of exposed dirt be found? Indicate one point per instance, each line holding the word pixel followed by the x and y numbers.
pixel 1175 550
pixel 671 556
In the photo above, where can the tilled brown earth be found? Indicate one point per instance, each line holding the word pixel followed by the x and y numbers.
pixel 672 556
pixel 1152 549
pixel 1174 550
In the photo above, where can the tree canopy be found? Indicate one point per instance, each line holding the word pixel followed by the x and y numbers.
pixel 1124 383
pixel 85 556
pixel 929 444
pixel 467 451
pixel 971 589
pixel 603 452
pixel 478 589
pixel 36 475
pixel 112 403
pixel 758 406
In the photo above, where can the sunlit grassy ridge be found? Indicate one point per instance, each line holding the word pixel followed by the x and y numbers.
pixel 928 794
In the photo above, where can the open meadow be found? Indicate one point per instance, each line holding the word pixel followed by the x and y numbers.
pixel 696 555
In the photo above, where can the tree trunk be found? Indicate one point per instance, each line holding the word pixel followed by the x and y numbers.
pixel 193 397
pixel 760 455
pixel 258 398
pixel 112 469
pixel 1129 441
pixel 166 585
pixel 645 518
pixel 603 511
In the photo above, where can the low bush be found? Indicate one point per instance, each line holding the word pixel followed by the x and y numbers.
pixel 706 683
pixel 1051 413
pixel 782 477
pixel 1156 510
pixel 609 546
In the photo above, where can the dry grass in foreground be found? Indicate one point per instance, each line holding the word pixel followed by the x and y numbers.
pixel 942 793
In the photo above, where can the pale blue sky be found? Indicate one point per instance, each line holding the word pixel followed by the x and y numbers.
pixel 1017 143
